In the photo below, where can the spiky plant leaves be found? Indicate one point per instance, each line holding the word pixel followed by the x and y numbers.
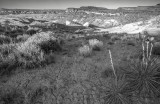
pixel 116 93
pixel 143 77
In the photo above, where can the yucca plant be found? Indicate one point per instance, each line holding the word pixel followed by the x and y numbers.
pixel 143 79
pixel 143 75
pixel 116 92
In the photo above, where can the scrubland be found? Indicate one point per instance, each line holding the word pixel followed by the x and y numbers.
pixel 51 63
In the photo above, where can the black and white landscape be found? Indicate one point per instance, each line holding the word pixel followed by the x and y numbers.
pixel 79 52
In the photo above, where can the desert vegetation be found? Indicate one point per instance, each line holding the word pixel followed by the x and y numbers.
pixel 46 62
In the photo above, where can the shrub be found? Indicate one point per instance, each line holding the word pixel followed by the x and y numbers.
pixel 156 49
pixel 12 96
pixel 42 95
pixel 32 31
pixel 131 43
pixel 8 58
pixel 21 38
pixel 6 49
pixel 95 44
pixel 111 43
pixel 8 64
pixel 107 73
pixel 30 61
pixel 85 50
pixel 33 51
pixel 4 39
pixel 33 43
pixel 116 93
pixel 115 38
pixel 143 79
pixel 50 45
pixel 107 36
pixel 49 58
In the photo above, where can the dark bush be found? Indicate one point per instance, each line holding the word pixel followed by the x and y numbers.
pixel 111 43
pixel 130 43
pixel 107 73
pixel 12 96
pixel 51 45
pixel 14 33
pixel 8 65
pixel 31 32
pixel 107 36
pixel 115 38
pixel 156 50
pixel 5 39
pixel 50 58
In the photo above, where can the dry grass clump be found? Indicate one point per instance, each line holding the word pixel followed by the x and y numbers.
pixel 95 44
pixel 85 51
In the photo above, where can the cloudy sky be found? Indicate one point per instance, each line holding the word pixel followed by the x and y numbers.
pixel 63 4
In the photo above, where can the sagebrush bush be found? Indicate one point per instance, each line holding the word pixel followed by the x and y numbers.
pixel 30 61
pixel 33 43
pixel 6 49
pixel 95 44
pixel 33 52
pixel 36 51
pixel 85 50
pixel 21 38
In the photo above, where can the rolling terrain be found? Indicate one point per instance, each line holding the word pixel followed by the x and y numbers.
pixel 86 55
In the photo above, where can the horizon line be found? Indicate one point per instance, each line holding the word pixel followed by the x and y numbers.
pixel 79 7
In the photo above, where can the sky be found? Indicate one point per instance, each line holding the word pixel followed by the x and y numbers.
pixel 63 4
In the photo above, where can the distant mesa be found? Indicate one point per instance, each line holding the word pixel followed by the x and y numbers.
pixel 86 8
pixel 82 9
pixel 92 8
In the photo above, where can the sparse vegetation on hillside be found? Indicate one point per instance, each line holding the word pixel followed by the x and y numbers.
pixel 42 60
